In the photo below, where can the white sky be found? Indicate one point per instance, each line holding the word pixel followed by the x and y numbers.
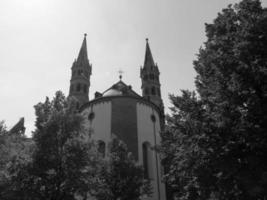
pixel 39 39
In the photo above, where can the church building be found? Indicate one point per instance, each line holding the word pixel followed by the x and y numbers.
pixel 121 112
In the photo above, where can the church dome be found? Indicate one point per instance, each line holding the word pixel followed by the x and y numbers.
pixel 112 92
pixel 120 89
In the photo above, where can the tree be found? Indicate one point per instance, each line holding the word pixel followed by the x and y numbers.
pixel 121 178
pixel 15 154
pixel 183 146
pixel 216 145
pixel 64 159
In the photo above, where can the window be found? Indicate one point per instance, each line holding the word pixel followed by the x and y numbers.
pixel 147 160
pixel 151 76
pixel 101 147
pixel 153 91
pixel 146 91
pixel 153 118
pixel 77 105
pixel 86 74
pixel 146 77
pixel 84 88
pixel 78 88
pixel 91 116
pixel 158 91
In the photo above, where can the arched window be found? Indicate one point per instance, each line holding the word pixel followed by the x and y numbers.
pixel 101 147
pixel 91 116
pixel 146 91
pixel 86 73
pixel 84 88
pixel 145 77
pixel 147 160
pixel 153 118
pixel 153 91
pixel 78 88
pixel 151 76
pixel 158 91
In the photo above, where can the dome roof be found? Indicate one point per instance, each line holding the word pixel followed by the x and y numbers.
pixel 112 92
pixel 118 92
pixel 120 89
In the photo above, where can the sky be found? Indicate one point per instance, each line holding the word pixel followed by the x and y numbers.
pixel 39 40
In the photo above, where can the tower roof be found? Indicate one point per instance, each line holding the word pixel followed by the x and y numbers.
pixel 80 76
pixel 18 128
pixel 83 51
pixel 148 56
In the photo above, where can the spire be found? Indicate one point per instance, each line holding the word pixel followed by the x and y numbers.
pixel 80 76
pixel 83 51
pixel 18 128
pixel 149 74
pixel 148 56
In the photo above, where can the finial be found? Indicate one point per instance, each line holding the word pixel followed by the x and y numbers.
pixel 85 34
pixel 120 74
pixel 147 40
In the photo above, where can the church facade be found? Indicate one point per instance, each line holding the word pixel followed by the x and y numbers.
pixel 122 113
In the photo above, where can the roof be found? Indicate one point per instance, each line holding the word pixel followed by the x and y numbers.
pixel 83 57
pixel 120 89
pixel 149 61
pixel 19 127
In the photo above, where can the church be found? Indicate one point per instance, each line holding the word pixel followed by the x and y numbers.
pixel 121 112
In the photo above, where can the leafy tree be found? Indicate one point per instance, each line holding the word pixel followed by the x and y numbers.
pixel 121 178
pixel 63 160
pixel 183 146
pixel 15 154
pixel 215 146
pixel 3 157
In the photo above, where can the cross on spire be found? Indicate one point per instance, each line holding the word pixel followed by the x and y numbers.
pixel 120 74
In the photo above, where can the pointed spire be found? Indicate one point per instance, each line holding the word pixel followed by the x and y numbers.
pixel 148 56
pixel 149 74
pixel 83 51
pixel 18 128
pixel 80 76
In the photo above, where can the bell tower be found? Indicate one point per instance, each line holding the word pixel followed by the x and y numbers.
pixel 80 76
pixel 149 74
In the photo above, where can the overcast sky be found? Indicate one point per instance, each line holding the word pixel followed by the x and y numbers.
pixel 39 39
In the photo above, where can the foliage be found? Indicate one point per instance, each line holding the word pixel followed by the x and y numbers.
pixel 15 153
pixel 183 145
pixel 64 159
pixel 121 178
pixel 215 146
